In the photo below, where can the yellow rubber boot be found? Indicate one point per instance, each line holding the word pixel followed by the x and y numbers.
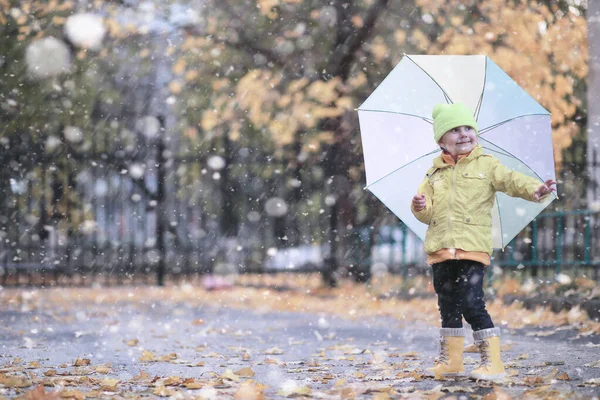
pixel 491 367
pixel 450 362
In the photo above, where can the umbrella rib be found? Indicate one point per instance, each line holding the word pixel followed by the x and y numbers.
pixel 398 113
pixel 500 223
pixel 480 101
pixel 398 169
pixel 508 153
pixel 430 77
pixel 491 127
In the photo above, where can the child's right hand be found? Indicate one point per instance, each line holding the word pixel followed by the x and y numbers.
pixel 419 202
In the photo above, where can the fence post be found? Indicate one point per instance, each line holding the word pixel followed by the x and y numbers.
pixel 403 259
pixel 559 231
pixel 331 264
pixel 160 196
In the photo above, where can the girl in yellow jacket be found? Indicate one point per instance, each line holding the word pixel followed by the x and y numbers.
pixel 456 200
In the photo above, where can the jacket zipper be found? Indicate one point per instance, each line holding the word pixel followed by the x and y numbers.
pixel 452 204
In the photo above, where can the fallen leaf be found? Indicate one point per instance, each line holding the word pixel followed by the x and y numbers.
pixel 274 351
pixel 497 394
pixel 169 357
pixel 103 369
pixel 191 383
pixel 15 381
pixel 143 376
pixel 147 356
pixel 229 375
pixel 133 342
pixel 33 365
pixel 109 384
pixel 563 377
pixel 173 381
pixel 162 391
pixel 71 394
pixel 294 390
pixel 37 393
pixel 198 321
pixel 245 372
pixel 533 380
pixel 250 390
pixel 50 372
pixel 80 362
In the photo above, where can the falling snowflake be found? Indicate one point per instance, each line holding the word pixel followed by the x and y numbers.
pixel 276 207
pixel 47 57
pixel 85 30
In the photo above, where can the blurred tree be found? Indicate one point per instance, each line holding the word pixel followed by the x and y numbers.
pixel 290 73
pixel 593 131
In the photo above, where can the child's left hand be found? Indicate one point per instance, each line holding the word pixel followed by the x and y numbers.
pixel 544 189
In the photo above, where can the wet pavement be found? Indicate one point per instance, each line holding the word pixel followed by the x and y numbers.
pixel 215 349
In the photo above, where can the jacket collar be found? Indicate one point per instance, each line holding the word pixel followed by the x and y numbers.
pixel 439 162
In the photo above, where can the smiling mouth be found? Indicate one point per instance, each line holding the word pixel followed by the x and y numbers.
pixel 464 142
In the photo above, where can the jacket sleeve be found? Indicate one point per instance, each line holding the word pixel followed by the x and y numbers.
pixel 425 215
pixel 513 183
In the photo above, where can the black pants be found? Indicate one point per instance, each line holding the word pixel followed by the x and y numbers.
pixel 459 287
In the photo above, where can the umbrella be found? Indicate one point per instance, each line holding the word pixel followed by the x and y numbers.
pixel 397 133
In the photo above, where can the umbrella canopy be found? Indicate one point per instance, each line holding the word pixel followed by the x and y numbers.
pixel 397 133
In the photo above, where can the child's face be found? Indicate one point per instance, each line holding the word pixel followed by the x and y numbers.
pixel 460 140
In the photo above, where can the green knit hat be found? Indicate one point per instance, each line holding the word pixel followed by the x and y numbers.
pixel 450 116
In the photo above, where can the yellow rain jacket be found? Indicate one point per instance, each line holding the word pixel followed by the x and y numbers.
pixel 460 200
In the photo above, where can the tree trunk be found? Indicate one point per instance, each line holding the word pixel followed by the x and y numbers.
pixel 593 131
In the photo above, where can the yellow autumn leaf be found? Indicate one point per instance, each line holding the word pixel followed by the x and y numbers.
pixel 246 372
pixel 179 66
pixel 12 381
pixel 162 391
pixel 133 342
pixel 273 351
pixel 143 376
pixel 173 381
pixel 71 394
pixel 109 384
pixel 229 375
pixel 191 383
pixel 324 92
pixel 147 356
pixel 497 394
pixel 175 87
pixel 81 362
pixel 250 390
pixel 103 369
pixel 33 364
pixel 169 357
pixel 293 390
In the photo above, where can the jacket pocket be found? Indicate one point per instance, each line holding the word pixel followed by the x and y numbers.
pixel 482 220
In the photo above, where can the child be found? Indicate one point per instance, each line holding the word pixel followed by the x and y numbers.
pixel 456 200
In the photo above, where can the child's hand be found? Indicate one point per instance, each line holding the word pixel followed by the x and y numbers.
pixel 419 202
pixel 544 189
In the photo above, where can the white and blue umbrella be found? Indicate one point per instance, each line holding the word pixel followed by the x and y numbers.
pixel 397 133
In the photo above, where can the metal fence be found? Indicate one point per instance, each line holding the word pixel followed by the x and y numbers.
pixel 121 210
pixel 118 213
pixel 555 242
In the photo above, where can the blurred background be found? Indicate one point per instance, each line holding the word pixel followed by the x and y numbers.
pixel 146 141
